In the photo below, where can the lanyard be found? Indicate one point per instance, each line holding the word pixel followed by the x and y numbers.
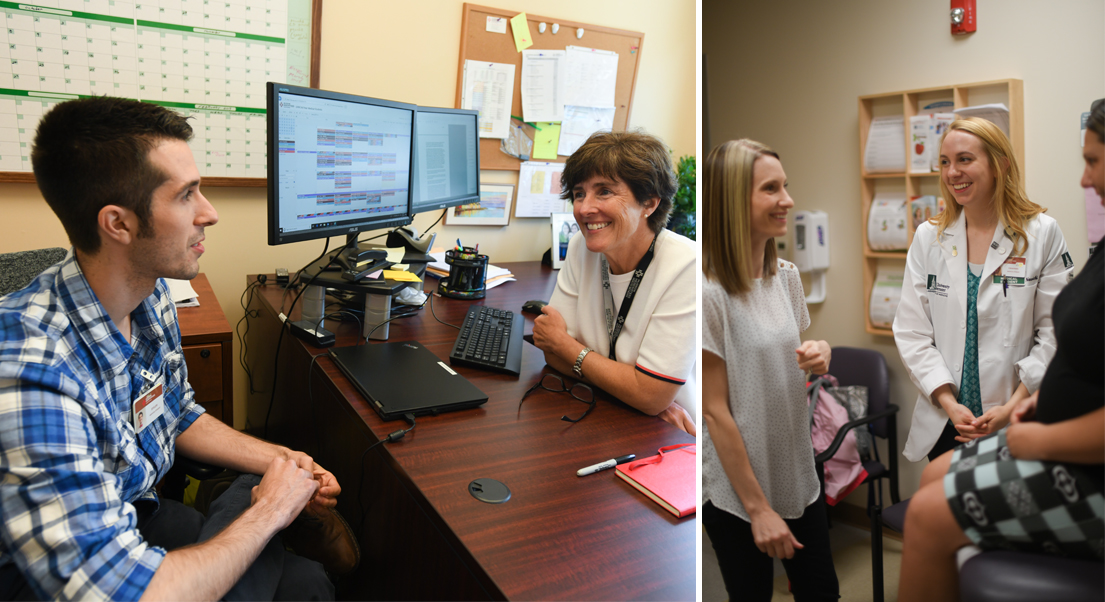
pixel 614 327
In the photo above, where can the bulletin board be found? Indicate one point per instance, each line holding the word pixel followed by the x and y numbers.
pixel 476 43
pixel 209 60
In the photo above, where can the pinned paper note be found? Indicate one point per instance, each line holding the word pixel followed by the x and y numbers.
pixel 520 27
pixel 546 140
pixel 543 75
pixel 496 24
pixel 539 188
pixel 487 89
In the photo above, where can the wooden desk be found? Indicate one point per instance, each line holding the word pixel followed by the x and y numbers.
pixel 424 536
pixel 208 351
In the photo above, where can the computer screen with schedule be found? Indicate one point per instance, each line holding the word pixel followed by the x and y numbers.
pixel 338 164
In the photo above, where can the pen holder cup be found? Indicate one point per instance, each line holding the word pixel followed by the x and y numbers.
pixel 467 275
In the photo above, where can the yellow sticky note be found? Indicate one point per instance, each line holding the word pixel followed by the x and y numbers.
pixel 395 255
pixel 546 140
pixel 400 276
pixel 520 27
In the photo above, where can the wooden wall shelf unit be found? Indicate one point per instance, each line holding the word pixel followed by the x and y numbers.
pixel 906 103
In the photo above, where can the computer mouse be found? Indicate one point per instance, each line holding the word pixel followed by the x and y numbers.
pixel 534 306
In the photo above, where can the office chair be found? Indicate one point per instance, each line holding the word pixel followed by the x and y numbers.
pixel 18 269
pixel 1022 577
pixel 867 368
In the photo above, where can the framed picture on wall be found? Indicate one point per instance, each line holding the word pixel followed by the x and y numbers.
pixel 492 210
pixel 564 227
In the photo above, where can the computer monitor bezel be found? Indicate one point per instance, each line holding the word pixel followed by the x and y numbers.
pixel 416 207
pixel 391 221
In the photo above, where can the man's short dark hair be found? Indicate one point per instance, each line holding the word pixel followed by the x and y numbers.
pixel 1096 122
pixel 94 152
pixel 639 160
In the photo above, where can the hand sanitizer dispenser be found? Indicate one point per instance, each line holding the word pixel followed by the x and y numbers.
pixel 811 250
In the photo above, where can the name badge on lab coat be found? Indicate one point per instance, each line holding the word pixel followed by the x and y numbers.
pixel 1013 271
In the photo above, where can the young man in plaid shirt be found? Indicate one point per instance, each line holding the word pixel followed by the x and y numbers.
pixel 93 340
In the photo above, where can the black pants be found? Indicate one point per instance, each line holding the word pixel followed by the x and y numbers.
pixel 946 442
pixel 276 574
pixel 748 573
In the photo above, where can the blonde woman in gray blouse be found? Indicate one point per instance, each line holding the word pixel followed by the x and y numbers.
pixel 760 490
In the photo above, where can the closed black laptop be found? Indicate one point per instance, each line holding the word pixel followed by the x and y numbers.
pixel 405 377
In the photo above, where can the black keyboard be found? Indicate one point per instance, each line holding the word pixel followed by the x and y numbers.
pixel 490 339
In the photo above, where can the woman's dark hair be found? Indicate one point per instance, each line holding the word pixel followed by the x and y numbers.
pixel 94 152
pixel 639 160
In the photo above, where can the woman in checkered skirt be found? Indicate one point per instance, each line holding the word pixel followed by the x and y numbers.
pixel 1037 485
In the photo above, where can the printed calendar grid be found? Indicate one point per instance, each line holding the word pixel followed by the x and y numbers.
pixel 208 59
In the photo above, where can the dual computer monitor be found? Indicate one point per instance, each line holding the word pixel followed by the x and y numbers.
pixel 342 164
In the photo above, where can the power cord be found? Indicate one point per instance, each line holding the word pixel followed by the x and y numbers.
pixel 342 312
pixel 391 438
pixel 246 300
pixel 285 327
pixel 431 296
pixel 439 218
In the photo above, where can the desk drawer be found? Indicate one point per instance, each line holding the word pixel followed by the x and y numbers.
pixel 205 371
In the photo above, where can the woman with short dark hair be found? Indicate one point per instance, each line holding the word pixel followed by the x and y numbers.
pixel 622 316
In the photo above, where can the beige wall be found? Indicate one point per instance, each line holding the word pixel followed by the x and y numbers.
pixel 789 72
pixel 370 48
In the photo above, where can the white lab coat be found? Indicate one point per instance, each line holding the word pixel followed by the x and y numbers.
pixel 1016 339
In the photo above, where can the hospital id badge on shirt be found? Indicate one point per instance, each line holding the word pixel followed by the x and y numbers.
pixel 148 408
pixel 1013 271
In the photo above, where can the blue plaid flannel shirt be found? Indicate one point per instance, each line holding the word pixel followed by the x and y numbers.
pixel 70 463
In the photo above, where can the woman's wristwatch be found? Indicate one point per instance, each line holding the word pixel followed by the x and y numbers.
pixel 578 368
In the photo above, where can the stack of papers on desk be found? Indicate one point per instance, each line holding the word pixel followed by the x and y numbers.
pixel 494 277
pixel 182 293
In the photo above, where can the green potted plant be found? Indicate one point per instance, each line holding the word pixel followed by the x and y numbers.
pixel 684 205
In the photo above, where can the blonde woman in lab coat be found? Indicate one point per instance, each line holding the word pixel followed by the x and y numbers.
pixel 974 323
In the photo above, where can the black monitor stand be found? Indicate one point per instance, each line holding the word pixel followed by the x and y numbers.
pixel 346 269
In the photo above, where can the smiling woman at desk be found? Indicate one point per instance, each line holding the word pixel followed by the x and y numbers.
pixel 627 290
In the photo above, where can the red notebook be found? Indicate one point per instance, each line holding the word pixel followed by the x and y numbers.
pixel 667 478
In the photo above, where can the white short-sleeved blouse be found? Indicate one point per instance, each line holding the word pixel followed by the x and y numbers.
pixel 757 334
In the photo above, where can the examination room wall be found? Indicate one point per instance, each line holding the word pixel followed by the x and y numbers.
pixel 788 73
pixel 408 51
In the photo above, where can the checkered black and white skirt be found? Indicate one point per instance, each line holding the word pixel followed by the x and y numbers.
pixel 1030 506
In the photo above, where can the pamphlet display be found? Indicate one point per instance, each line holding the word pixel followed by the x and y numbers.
pixel 886 222
pixel 885 295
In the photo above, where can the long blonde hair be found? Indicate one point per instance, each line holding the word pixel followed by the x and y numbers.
pixel 727 216
pixel 1010 200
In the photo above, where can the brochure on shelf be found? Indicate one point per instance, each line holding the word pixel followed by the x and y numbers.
pixel 885 295
pixel 938 124
pixel 886 222
pixel 924 144
pixel 885 151
pixel 920 151
pixel 921 208
pixel 996 112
